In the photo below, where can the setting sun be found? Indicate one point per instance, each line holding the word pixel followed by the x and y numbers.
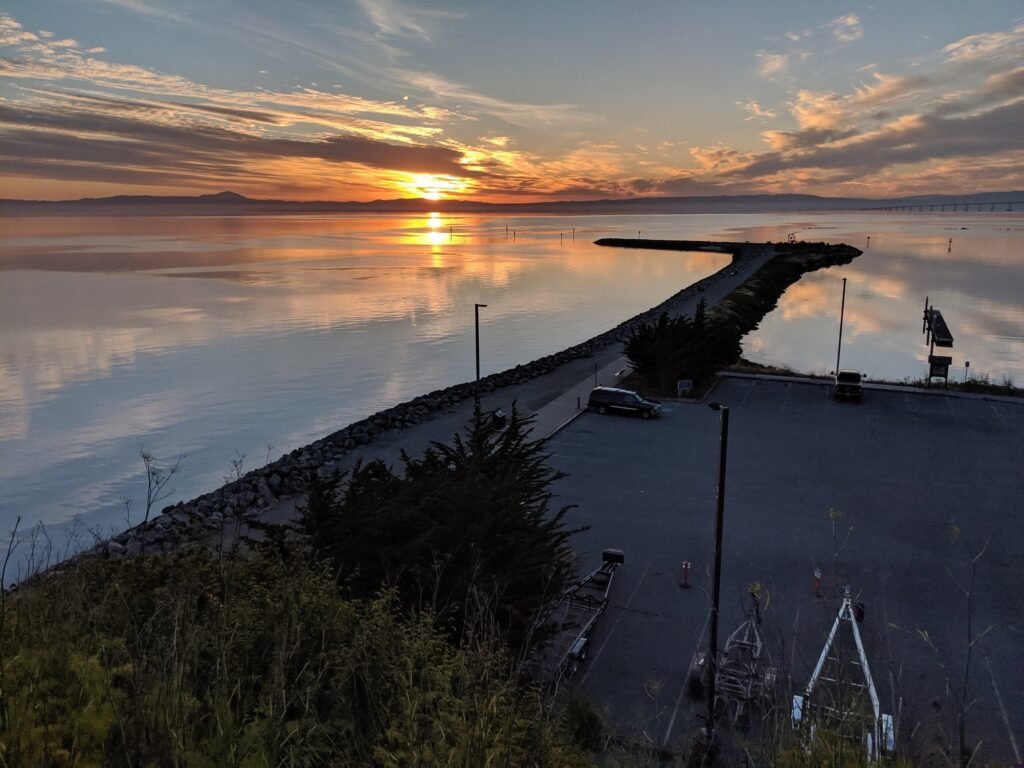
pixel 434 187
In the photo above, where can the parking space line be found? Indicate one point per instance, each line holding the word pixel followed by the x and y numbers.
pixel 593 661
pixel 1002 710
pixel 686 681
pixel 750 388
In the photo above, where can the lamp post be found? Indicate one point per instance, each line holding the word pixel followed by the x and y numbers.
pixel 717 584
pixel 842 311
pixel 476 318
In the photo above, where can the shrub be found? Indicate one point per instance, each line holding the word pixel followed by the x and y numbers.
pixel 192 662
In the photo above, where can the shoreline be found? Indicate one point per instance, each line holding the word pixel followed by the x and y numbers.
pixel 272 491
pixel 544 388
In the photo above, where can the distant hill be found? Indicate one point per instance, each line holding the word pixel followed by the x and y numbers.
pixel 236 204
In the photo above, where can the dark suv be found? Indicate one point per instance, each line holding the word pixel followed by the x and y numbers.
pixel 611 400
pixel 848 386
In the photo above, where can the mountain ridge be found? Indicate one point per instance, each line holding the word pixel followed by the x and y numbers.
pixel 233 202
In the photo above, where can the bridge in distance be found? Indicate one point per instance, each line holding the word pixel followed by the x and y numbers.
pixel 1005 206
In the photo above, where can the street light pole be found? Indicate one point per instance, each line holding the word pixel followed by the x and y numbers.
pixel 716 591
pixel 476 318
pixel 842 311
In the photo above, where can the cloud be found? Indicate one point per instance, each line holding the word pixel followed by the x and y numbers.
pixel 71 114
pixel 756 111
pixel 95 137
pixel 890 88
pixel 720 158
pixel 516 113
pixel 771 65
pixel 846 29
pixel 396 19
pixel 12 33
pixel 988 46
pixel 817 111
pixel 145 9
pixel 908 140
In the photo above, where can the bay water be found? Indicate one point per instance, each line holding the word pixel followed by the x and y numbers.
pixel 232 340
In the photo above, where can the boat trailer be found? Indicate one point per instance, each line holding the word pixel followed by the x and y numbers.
pixel 744 680
pixel 574 618
pixel 841 708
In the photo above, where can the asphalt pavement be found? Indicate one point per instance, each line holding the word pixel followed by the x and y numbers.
pixel 917 485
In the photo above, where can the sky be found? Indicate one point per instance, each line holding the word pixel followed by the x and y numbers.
pixel 509 101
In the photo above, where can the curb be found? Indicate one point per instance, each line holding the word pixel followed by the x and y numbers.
pixel 879 387
pixel 565 423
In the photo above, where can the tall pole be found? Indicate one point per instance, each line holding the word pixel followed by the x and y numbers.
pixel 716 591
pixel 476 318
pixel 842 311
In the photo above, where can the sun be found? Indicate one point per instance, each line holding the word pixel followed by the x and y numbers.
pixel 431 186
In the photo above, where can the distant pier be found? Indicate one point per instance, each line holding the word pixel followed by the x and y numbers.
pixel 1005 206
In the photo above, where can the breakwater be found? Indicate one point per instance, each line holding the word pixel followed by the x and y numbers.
pixel 246 499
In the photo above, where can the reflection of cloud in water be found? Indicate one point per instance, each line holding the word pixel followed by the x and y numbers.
pixel 273 333
pixel 977 287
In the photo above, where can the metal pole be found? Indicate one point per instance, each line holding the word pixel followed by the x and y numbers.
pixel 842 311
pixel 717 584
pixel 476 318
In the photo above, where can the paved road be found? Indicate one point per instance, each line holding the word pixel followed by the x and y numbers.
pixel 551 399
pixel 924 481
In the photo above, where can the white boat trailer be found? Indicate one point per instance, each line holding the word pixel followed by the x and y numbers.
pixel 744 678
pixel 743 682
pixel 810 710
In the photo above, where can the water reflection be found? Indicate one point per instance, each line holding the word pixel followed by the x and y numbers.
pixel 975 282
pixel 221 335
pixel 216 336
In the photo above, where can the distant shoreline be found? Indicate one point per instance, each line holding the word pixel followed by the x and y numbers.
pixel 232 204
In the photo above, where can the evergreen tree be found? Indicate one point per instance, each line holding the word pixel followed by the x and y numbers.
pixel 676 348
pixel 469 523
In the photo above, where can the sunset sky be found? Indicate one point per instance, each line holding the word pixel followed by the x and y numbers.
pixel 509 101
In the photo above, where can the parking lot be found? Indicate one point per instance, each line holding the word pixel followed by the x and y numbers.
pixel 918 484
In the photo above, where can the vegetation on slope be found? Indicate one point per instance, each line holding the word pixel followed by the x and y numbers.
pixel 376 638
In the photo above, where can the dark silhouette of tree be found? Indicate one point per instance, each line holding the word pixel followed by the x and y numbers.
pixel 673 348
pixel 465 525
pixel 700 315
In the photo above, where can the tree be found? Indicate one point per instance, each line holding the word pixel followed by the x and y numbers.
pixel 466 529
pixel 673 348
pixel 700 314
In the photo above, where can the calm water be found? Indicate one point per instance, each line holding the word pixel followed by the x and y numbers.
pixel 217 337
pixel 977 281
